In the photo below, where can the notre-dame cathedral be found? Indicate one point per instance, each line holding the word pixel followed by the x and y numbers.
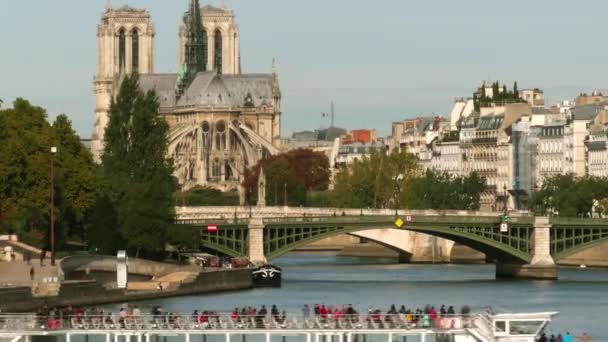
pixel 221 120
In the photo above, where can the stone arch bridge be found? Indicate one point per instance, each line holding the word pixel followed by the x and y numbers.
pixel 529 247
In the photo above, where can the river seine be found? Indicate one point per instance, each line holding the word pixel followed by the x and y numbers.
pixel 581 295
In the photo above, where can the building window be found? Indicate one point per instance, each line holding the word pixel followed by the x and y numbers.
pixel 122 49
pixel 217 168
pixel 220 135
pixel 205 50
pixel 218 51
pixel 135 49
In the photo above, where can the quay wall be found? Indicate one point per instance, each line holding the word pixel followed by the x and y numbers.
pixel 108 264
pixel 94 293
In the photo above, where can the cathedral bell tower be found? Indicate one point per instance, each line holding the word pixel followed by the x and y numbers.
pixel 125 39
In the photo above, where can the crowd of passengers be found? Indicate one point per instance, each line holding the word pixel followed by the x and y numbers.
pixel 428 316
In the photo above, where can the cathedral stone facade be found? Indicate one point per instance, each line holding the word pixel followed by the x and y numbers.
pixel 221 121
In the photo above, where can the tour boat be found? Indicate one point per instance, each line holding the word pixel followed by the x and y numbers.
pixel 472 327
pixel 267 276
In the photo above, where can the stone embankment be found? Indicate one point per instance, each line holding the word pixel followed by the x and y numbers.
pixel 154 280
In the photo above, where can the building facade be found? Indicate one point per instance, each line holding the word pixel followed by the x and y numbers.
pixel 221 120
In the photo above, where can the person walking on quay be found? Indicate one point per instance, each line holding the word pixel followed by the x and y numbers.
pixel 28 258
pixel 32 273
pixel 42 256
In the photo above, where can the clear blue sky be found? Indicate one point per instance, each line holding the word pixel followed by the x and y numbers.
pixel 380 60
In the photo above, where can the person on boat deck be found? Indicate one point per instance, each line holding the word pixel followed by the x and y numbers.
pixel 568 337
pixel 426 321
pixel 433 314
pixel 584 338
pixel 559 338
pixel 306 311
pixel 543 338
pixel 235 314
pixel 451 310
pixel 552 338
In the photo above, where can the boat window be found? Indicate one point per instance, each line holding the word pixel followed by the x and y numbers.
pixel 524 327
pixel 500 326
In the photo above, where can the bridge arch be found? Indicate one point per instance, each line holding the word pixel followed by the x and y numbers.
pixel 512 246
pixel 570 236
pixel 281 236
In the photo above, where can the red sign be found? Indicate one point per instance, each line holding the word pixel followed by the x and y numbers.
pixel 409 219
pixel 212 228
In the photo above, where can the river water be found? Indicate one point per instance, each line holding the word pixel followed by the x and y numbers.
pixel 581 295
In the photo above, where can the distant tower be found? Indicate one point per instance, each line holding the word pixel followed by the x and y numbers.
pixel 221 47
pixel 196 40
pixel 126 44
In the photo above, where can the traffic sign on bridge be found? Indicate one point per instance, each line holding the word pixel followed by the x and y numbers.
pixel 399 222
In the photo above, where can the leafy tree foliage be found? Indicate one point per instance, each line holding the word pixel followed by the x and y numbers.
pixel 500 97
pixel 568 196
pixel 371 182
pixel 25 141
pixel 137 174
pixel 201 196
pixel 283 185
pixel 301 170
pixel 441 191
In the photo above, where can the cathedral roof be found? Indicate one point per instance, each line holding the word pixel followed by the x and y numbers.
pixel 209 89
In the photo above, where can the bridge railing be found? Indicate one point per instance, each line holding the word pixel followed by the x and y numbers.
pixel 189 322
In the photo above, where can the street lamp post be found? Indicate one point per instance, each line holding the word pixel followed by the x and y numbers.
pixel 397 180
pixel 53 151
pixel 505 198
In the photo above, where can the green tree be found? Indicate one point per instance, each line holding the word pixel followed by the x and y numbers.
pixel 441 191
pixel 310 169
pixel 136 169
pixel 515 90
pixel 569 196
pixel 282 184
pixel 25 141
pixel 374 181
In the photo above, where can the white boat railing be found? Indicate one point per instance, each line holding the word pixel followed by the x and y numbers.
pixel 189 322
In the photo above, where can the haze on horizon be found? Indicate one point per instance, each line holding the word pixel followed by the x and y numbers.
pixel 379 61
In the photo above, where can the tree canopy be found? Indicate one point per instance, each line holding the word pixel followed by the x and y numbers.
pixel 372 181
pixel 137 174
pixel 569 196
pixel 442 191
pixel 26 138
pixel 293 174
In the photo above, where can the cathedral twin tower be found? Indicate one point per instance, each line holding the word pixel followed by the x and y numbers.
pixel 221 120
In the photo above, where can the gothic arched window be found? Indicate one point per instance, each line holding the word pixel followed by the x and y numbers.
pixel 220 135
pixel 205 50
pixel 218 51
pixel 135 50
pixel 122 50
pixel 217 168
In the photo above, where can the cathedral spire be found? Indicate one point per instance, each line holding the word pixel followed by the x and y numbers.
pixel 195 47
pixel 195 39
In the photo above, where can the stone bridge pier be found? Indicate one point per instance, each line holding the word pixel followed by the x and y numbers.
pixel 542 265
pixel 256 242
